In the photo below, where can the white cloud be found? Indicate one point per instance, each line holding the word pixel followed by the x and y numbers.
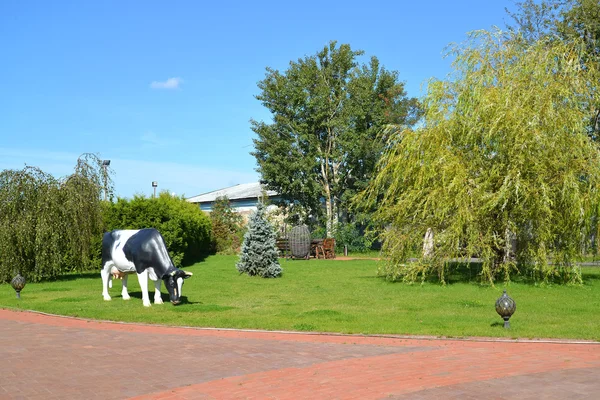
pixel 171 83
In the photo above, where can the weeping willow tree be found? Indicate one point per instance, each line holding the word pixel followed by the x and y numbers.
pixel 502 156
pixel 49 226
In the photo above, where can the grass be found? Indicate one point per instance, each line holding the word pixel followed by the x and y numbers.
pixel 330 296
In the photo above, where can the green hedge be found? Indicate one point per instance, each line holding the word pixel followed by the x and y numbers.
pixel 187 230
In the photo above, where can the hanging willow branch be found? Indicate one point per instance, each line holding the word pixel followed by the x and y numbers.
pixel 503 154
pixel 50 226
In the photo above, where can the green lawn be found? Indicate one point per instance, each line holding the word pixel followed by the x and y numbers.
pixel 330 296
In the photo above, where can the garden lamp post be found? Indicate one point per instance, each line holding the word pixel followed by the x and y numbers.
pixel 505 307
pixel 18 283
pixel 154 185
pixel 105 164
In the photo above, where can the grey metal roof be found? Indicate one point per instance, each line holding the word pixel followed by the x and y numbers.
pixel 241 191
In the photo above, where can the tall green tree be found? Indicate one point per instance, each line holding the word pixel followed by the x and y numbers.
pixel 571 21
pixel 534 19
pixel 325 138
pixel 503 153
pixel 559 20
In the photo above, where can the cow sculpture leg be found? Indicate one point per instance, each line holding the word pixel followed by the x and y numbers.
pixel 105 273
pixel 124 292
pixel 143 280
pixel 157 295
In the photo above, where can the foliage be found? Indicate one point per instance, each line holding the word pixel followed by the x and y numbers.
pixel 353 236
pixel 350 234
pixel 186 229
pixel 49 226
pixel 503 153
pixel 331 296
pixel 278 218
pixel 259 255
pixel 328 113
pixel 565 20
pixel 535 20
pixel 227 227
pixel 83 212
pixel 570 21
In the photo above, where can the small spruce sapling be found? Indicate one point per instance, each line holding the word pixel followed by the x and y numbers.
pixel 259 255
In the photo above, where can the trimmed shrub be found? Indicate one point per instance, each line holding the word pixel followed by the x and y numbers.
pixel 186 229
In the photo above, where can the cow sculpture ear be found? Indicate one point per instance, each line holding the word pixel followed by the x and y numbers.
pixel 187 274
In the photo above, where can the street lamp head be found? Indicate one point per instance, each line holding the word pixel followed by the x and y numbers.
pixel 154 184
pixel 105 163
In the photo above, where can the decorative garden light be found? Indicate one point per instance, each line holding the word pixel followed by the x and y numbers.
pixel 505 307
pixel 18 283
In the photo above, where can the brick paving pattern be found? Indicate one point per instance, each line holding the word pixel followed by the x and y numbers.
pixel 49 357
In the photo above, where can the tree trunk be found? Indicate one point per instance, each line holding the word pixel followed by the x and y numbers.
pixel 329 211
pixel 510 246
pixel 428 244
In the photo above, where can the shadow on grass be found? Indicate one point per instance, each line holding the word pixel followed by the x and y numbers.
pixel 189 261
pixel 95 274
pixel 471 272
pixel 164 296
pixel 74 276
pixel 463 272
pixel 589 277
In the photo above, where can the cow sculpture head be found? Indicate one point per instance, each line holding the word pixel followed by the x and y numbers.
pixel 174 282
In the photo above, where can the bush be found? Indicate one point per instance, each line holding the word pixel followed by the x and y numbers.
pixel 186 229
pixel 227 228
pixel 259 255
pixel 351 235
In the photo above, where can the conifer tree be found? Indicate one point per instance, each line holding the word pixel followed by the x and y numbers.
pixel 259 255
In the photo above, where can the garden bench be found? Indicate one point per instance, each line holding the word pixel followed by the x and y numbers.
pixel 283 244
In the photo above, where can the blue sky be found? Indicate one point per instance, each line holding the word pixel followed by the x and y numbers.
pixel 165 90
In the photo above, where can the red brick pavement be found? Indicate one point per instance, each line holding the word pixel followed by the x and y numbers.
pixel 53 357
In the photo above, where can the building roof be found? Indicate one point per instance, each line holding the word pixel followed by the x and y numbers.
pixel 237 192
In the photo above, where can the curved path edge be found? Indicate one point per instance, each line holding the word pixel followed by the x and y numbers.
pixel 55 357
pixel 186 330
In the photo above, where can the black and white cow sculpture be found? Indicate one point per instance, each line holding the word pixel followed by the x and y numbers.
pixel 143 252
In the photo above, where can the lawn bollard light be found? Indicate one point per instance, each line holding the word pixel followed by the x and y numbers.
pixel 18 283
pixel 505 307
